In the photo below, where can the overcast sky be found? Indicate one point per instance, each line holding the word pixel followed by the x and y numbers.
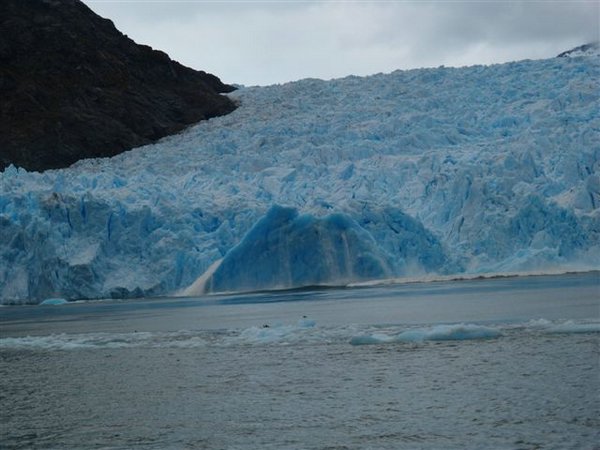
pixel 267 42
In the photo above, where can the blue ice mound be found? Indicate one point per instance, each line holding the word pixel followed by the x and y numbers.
pixel 286 249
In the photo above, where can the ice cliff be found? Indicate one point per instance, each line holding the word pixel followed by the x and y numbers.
pixel 449 170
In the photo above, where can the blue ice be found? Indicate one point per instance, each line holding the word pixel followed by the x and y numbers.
pixel 54 301
pixel 443 171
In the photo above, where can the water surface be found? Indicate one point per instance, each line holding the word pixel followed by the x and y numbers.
pixel 502 363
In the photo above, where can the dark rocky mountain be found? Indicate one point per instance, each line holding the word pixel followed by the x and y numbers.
pixel 73 87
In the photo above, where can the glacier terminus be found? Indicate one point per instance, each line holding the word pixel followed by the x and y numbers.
pixel 446 171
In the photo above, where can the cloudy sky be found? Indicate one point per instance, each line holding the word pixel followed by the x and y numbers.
pixel 266 42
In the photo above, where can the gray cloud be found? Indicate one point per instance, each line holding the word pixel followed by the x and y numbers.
pixel 271 42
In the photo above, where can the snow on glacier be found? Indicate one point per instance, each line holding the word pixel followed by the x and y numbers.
pixel 446 171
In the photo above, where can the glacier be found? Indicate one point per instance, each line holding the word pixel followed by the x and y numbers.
pixel 471 170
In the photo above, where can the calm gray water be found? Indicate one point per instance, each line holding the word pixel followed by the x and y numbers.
pixel 505 363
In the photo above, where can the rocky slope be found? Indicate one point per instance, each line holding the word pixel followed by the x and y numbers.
pixel 73 87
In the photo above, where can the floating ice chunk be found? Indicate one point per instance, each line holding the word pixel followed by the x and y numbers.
pixel 53 301
pixel 459 332
pixel 563 326
pixel 90 341
pixel 539 323
pixel 575 328
pixel 371 339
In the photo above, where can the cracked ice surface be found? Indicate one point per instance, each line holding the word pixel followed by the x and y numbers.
pixel 479 169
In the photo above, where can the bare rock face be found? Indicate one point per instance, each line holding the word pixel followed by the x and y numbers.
pixel 73 87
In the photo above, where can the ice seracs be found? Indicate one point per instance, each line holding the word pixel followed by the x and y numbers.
pixel 413 173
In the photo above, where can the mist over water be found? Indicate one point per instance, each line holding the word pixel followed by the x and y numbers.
pixel 507 363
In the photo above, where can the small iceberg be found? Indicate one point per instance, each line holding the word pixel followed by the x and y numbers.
pixel 53 301
pixel 570 327
pixel 457 332
pixel 371 339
